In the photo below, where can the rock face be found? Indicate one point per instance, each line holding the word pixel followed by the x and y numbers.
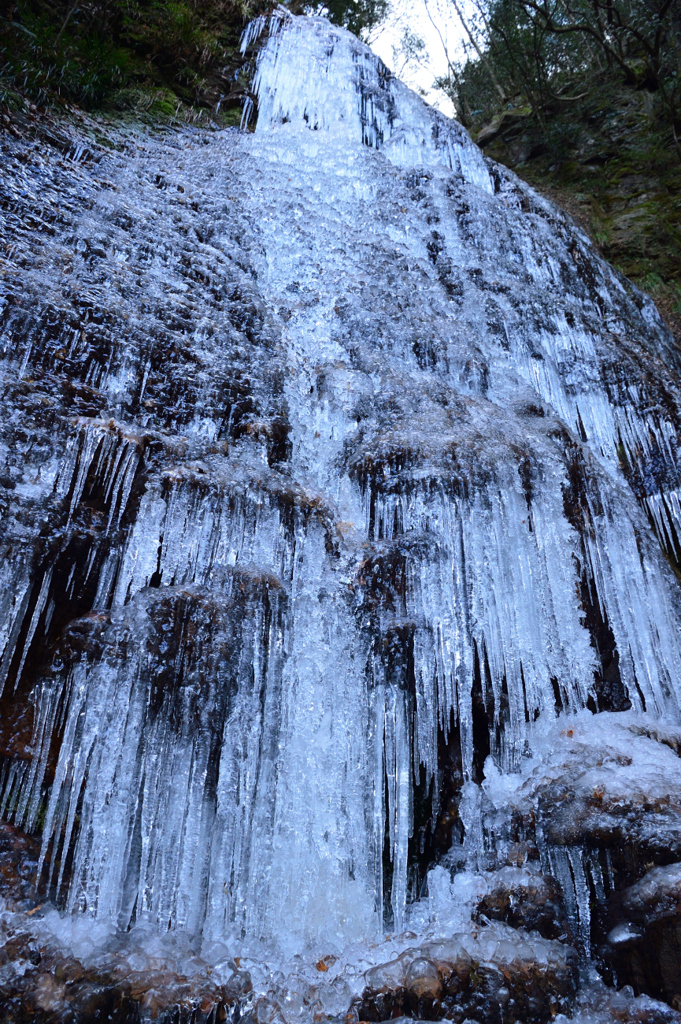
pixel 494 974
pixel 602 814
pixel 525 899
pixel 335 466
pixel 644 942
pixel 18 866
pixel 602 177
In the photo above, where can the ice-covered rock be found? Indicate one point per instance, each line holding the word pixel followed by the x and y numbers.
pixel 492 973
pixel 339 483
pixel 600 798
pixel 524 897
pixel 612 780
pixel 643 924
pixel 600 1005
pixel 656 897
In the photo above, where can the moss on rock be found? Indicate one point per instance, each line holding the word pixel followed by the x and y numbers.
pixel 610 165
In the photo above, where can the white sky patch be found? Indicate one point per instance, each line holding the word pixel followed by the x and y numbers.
pixel 442 29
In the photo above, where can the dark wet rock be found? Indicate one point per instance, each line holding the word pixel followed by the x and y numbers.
pixel 423 983
pixel 495 974
pixel 604 809
pixel 638 827
pixel 609 784
pixel 643 946
pixel 621 804
pixel 49 995
pixel 657 897
pixel 598 1004
pixel 18 866
pixel 527 899
pixel 39 984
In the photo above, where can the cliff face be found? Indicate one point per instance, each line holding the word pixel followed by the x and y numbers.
pixel 609 163
pixel 334 459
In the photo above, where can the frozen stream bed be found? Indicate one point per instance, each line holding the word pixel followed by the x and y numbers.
pixel 339 560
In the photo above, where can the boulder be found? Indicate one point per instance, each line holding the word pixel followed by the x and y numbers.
pixel 643 946
pixel 525 898
pixel 509 122
pixel 598 1004
pixel 602 798
pixel 494 973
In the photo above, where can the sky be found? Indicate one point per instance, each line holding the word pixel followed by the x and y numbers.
pixel 413 14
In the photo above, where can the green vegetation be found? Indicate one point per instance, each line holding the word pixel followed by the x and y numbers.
pixel 583 99
pixel 147 55
pixel 547 53
pixel 359 16
pixel 155 56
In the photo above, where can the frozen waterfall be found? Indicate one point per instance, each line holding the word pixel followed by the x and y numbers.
pixel 338 459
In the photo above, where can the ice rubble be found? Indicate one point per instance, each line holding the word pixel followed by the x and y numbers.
pixel 595 787
pixel 600 1005
pixel 337 456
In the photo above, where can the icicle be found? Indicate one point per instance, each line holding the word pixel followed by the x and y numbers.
pixel 289 628
pixel 566 866
pixel 15 594
pixel 86 456
pixel 30 799
pixel 638 606
pixel 311 75
pixel 12 781
pixel 112 458
pixel 665 512
pixel 35 619
pixel 257 26
pixel 582 897
pixel 120 490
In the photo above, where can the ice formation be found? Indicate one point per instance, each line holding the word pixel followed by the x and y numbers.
pixel 335 458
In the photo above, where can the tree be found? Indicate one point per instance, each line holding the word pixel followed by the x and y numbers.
pixel 545 53
pixel 359 16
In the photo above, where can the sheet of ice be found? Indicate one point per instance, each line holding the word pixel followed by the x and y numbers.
pixel 364 476
pixel 315 76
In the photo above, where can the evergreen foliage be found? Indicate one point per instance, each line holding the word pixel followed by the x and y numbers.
pixel 359 16
pixel 142 54
pixel 583 99
pixel 547 53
